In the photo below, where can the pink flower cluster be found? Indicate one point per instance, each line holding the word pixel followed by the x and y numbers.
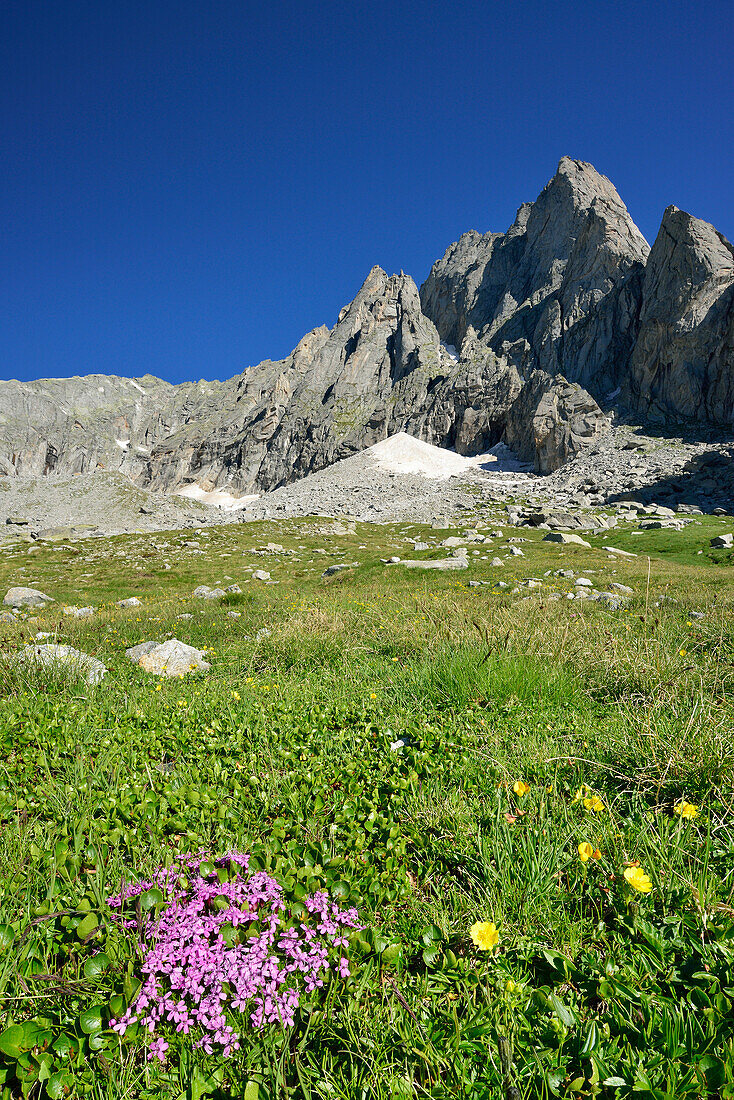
pixel 202 964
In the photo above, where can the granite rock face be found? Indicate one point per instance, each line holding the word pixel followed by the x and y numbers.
pixel 572 252
pixel 683 361
pixel 505 331
pixel 552 421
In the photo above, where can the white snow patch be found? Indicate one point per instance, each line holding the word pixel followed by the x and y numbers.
pixel 451 352
pixel 123 444
pixel 404 454
pixel 137 387
pixel 219 498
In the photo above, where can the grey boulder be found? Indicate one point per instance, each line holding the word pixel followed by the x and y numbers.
pixel 26 597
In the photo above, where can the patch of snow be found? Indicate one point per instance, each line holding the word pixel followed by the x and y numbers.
pixel 404 454
pixel 137 387
pixel 451 352
pixel 123 444
pixel 218 498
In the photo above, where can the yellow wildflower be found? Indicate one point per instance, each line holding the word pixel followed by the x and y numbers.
pixel 520 788
pixel 686 809
pixel 484 935
pixel 588 851
pixel 236 696
pixel 681 652
pixel 638 880
pixel 594 803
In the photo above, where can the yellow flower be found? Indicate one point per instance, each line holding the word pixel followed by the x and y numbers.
pixel 587 851
pixel 686 809
pixel 638 880
pixel 372 695
pixel 520 789
pixel 681 652
pixel 594 803
pixel 484 935
pixel 236 695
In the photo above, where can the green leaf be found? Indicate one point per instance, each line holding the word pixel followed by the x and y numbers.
pixel 59 1085
pixel 7 936
pixel 11 1041
pixel 252 1091
pixel 87 926
pixel 150 898
pixel 91 1021
pixel 96 965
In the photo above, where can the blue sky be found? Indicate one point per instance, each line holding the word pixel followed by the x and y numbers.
pixel 188 187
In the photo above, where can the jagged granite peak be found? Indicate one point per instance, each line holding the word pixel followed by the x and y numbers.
pixel 569 297
pixel 525 291
pixel 683 360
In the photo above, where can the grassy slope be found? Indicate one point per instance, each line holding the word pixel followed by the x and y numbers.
pixel 283 749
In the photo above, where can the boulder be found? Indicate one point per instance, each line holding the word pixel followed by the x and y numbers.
pixel 565 538
pixel 261 575
pixel 204 592
pixel 26 597
pixel 722 542
pixel 171 658
pixel 553 421
pixel 131 601
pixel 438 563
pixel 64 658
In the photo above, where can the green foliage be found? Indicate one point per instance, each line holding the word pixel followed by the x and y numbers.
pixel 288 749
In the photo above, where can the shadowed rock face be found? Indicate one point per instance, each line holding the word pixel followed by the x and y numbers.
pixel 683 360
pixel 569 296
pixel 552 421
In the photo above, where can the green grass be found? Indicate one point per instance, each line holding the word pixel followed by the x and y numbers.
pixel 283 749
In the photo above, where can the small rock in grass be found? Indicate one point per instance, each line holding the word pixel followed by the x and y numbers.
pixel 234 589
pixel 442 563
pixel 332 569
pixel 563 537
pixel 64 657
pixel 261 575
pixel 131 601
pixel 516 552
pixel 26 597
pixel 234 614
pixel 171 658
pixel 497 563
pixel 722 542
pixel 583 582
pixel 204 592
pixel 611 600
pixel 79 612
pixel 623 588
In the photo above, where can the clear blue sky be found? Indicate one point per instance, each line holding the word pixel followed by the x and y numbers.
pixel 190 186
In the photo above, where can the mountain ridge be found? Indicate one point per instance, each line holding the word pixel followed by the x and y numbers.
pixel 568 312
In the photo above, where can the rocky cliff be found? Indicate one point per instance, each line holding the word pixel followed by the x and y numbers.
pixel 567 311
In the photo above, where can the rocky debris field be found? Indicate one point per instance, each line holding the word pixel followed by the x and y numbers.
pixel 396 481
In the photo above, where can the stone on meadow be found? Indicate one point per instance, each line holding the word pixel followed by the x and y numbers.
pixel 204 592
pixel 26 597
pixel 66 658
pixel 333 569
pixel 261 575
pixel 459 562
pixel 131 601
pixel 171 658
pixel 566 539
pixel 79 612
pixel 722 542
pixel 497 563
